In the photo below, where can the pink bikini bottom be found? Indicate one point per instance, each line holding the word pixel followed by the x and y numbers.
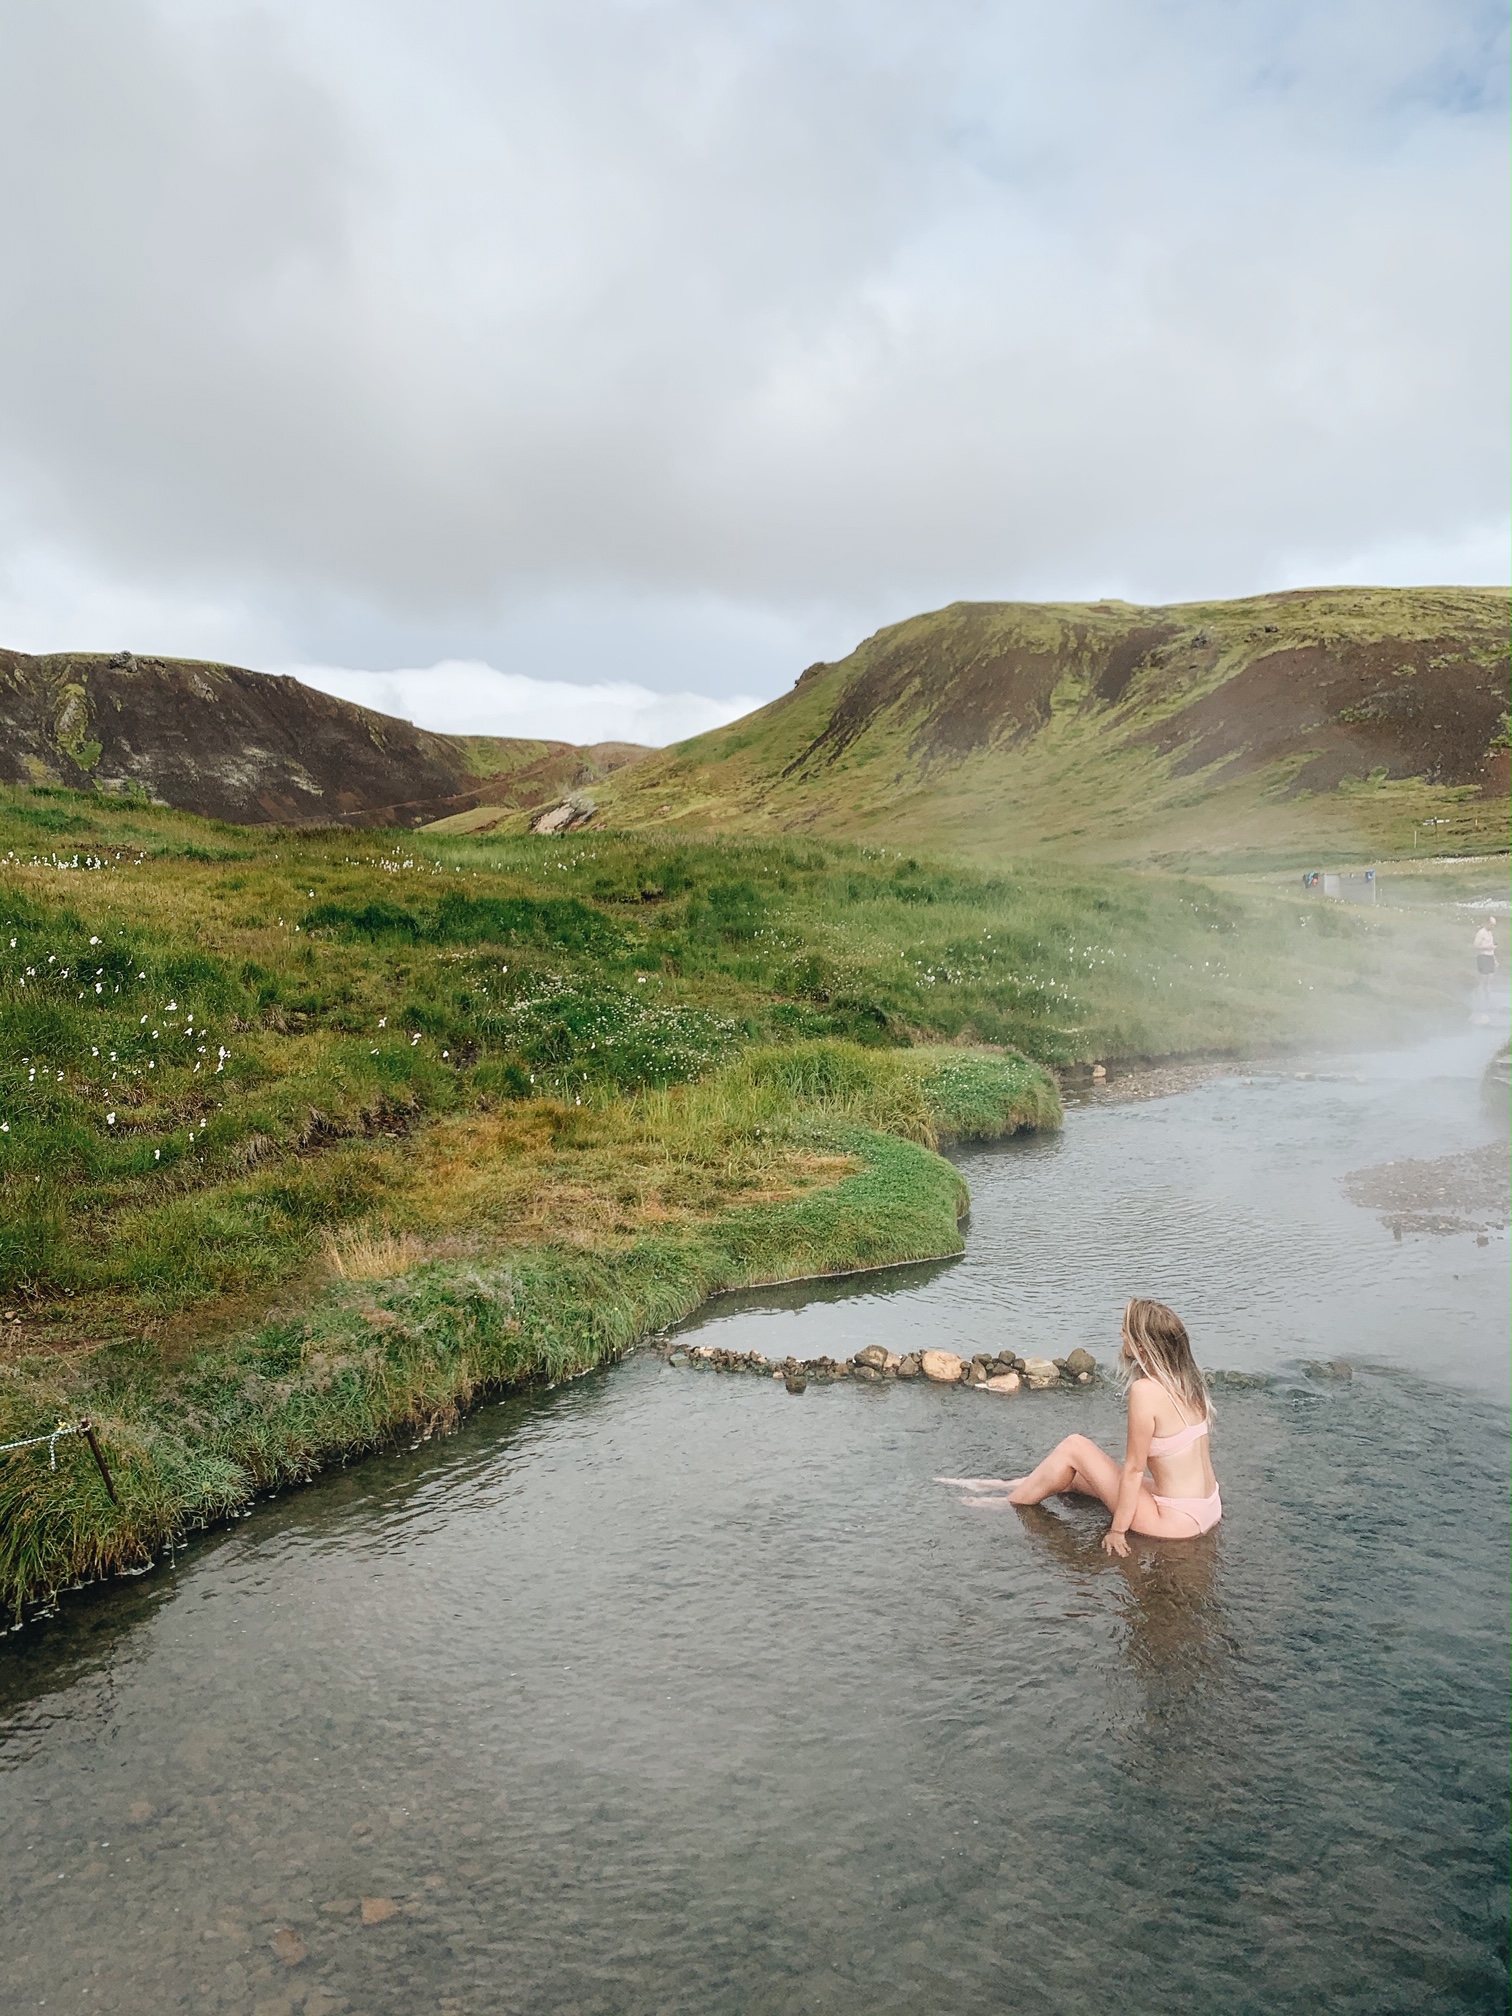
pixel 1204 1513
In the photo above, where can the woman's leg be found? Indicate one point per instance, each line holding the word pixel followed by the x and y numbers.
pixel 1077 1464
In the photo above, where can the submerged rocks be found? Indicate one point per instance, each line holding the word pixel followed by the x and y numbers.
pixel 874 1365
pixel 719 1361
pixel 871 1363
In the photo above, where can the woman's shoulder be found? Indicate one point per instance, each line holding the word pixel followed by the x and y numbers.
pixel 1145 1394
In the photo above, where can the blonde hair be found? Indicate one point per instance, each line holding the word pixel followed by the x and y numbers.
pixel 1161 1349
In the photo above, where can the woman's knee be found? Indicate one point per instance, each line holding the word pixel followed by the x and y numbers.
pixel 1074 1447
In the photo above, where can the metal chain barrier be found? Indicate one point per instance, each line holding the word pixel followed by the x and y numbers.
pixel 82 1427
pixel 35 1441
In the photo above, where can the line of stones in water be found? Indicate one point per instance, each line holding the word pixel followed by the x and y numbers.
pixel 1004 1372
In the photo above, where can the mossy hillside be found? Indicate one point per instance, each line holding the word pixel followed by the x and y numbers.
pixel 236 744
pixel 1310 728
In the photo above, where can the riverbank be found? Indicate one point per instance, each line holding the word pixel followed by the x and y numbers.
pixel 398 1340
pixel 302 1147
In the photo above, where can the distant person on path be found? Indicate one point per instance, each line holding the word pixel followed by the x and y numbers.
pixel 1169 1416
pixel 1485 961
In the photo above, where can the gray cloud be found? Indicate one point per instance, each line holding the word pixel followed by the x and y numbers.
pixel 673 341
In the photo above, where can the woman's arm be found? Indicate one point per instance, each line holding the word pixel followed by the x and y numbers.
pixel 1142 1404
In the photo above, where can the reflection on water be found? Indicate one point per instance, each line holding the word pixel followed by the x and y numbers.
pixel 672 1692
pixel 1174 1638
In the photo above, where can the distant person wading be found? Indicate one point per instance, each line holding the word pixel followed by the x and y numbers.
pixel 1485 961
pixel 1169 1416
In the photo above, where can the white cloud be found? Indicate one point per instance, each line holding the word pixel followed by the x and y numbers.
pixel 459 698
pixel 720 334
pixel 1478 556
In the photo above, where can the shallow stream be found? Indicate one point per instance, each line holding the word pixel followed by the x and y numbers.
pixel 667 1691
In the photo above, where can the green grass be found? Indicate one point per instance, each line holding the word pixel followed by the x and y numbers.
pixel 217 1044
pixel 367 1360
pixel 307 1138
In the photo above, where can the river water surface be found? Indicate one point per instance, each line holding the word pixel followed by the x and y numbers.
pixel 666 1691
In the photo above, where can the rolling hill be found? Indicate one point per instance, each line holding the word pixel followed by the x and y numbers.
pixel 257 749
pixel 1336 721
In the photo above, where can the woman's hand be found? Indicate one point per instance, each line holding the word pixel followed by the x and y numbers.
pixel 1116 1543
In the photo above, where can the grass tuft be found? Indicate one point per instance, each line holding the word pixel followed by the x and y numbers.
pixel 361 1253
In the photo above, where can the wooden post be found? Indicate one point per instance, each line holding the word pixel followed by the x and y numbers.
pixel 94 1449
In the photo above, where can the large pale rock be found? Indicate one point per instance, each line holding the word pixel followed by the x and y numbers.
pixel 1003 1382
pixel 1041 1372
pixel 942 1366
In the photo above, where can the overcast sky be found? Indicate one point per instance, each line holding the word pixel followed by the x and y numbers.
pixel 658 347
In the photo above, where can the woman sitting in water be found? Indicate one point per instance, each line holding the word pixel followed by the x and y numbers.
pixel 1169 1413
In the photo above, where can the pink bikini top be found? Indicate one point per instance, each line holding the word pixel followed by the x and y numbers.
pixel 1172 1445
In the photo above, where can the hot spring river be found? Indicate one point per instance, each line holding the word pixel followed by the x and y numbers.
pixel 667 1691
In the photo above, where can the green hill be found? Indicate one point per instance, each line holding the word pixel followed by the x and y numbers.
pixel 1323 722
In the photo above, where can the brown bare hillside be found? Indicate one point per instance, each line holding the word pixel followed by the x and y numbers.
pixel 257 749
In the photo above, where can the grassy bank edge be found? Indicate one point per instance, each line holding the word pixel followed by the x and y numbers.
pixel 371 1361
